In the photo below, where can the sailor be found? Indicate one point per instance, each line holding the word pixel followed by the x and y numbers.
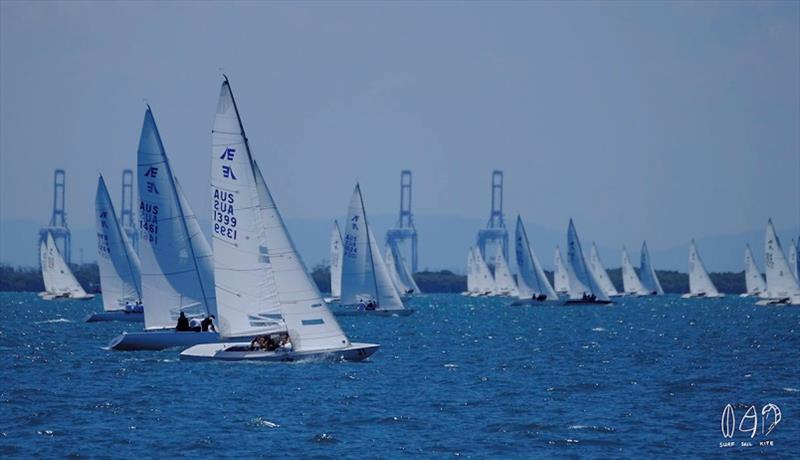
pixel 285 342
pixel 194 325
pixel 541 297
pixel 183 323
pixel 371 305
pixel 361 305
pixel 208 323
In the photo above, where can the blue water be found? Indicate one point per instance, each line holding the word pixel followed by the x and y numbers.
pixel 461 377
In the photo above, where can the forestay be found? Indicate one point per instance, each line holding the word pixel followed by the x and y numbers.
pixel 649 278
pixel 117 261
pixel 336 261
pixel 600 273
pixel 532 279
pixel 581 280
pixel 176 260
pixel 699 281
pixel 630 281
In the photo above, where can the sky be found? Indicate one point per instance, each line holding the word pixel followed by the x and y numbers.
pixel 655 120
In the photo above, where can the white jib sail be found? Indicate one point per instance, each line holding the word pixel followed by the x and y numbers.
pixel 403 272
pixel 599 271
pixel 176 261
pixel 57 275
pixel 401 288
pixel 483 274
pixel 336 261
pixel 699 281
pixel 649 278
pixel 472 274
pixel 630 281
pixel 532 279
pixel 794 259
pixel 753 280
pixel 120 277
pixel 503 279
pixel 781 283
pixel 560 276
pixel 581 279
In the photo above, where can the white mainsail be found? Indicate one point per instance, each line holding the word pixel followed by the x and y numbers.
pixel 391 268
pixel 402 269
pixel 484 276
pixel 560 277
pixel 581 280
pixel 781 284
pixel 472 273
pixel 176 261
pixel 364 275
pixel 630 281
pixel 699 282
pixel 794 259
pixel 503 279
pixel 753 280
pixel 600 273
pixel 120 277
pixel 336 261
pixel 59 281
pixel 532 280
pixel 649 278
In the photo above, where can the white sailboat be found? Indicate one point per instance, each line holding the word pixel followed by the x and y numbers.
pixel 630 280
pixel 560 277
pixel 700 284
pixel 257 268
pixel 472 275
pixel 176 261
pixel 336 264
pixel 782 286
pixel 365 281
pixel 59 281
pixel 401 270
pixel 120 271
pixel 754 282
pixel 503 279
pixel 649 278
pixel 532 284
pixel 583 285
pixel 794 259
pixel 485 280
pixel 600 273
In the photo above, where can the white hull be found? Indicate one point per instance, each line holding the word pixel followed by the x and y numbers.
pixel 774 302
pixel 119 315
pixel 702 296
pixel 52 296
pixel 355 312
pixel 240 352
pixel 160 340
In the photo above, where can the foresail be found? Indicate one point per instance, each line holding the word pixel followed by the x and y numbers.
pixel 560 275
pixel 649 278
pixel 484 275
pixel 388 296
pixel 503 279
pixel 581 280
pixel 699 281
pixel 336 261
pixel 754 283
pixel 780 281
pixel 61 277
pixel 630 281
pixel 600 273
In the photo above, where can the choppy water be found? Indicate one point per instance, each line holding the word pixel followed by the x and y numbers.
pixel 461 377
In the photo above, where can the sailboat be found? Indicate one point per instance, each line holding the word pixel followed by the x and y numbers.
pixel 649 278
pixel 257 267
pixel 503 279
pixel 700 284
pixel 630 281
pixel 59 281
pixel 485 280
pixel 336 264
pixel 600 273
pixel 472 276
pixel 794 259
pixel 754 283
pixel 782 286
pixel 532 285
pixel 399 274
pixel 176 261
pixel 583 284
pixel 560 278
pixel 120 271
pixel 365 281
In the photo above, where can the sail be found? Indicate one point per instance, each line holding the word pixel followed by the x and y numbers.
pixel 560 278
pixel 364 274
pixel 531 280
pixel 484 276
pixel 600 273
pixel 794 259
pixel 391 268
pixel 649 279
pixel 120 277
pixel 780 281
pixel 630 281
pixel 503 279
pixel 699 281
pixel 176 270
pixel 336 261
pixel 581 279
pixel 752 275
pixel 57 275
pixel 472 274
pixel 403 272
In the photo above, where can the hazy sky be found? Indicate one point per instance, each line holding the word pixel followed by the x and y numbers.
pixel 640 120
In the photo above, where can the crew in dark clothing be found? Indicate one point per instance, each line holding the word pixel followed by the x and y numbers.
pixel 183 323
pixel 371 305
pixel 208 323
pixel 541 297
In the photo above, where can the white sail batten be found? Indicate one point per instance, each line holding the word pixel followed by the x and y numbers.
pixel 630 280
pixel 581 279
pixel 503 279
pixel 781 284
pixel 336 261
pixel 753 280
pixel 649 278
pixel 120 277
pixel 560 276
pixel 599 271
pixel 176 270
pixel 699 282
pixel 532 280
pixel 59 281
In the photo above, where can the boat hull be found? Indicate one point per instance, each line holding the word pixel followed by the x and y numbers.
pixel 523 302
pixel 160 340
pixel 354 312
pixel 698 296
pixel 587 302
pixel 118 315
pixel 222 352
pixel 51 296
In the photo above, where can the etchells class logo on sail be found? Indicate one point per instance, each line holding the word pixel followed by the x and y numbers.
pixel 746 422
pixel 225 222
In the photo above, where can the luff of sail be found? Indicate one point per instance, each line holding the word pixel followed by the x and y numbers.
pixel 532 280
pixel 176 266
pixel 560 277
pixel 600 273
pixel 754 283
pixel 648 274
pixel 700 283
pixel 581 279
pixel 336 261
pixel 781 284
pixel 630 280
pixel 120 277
